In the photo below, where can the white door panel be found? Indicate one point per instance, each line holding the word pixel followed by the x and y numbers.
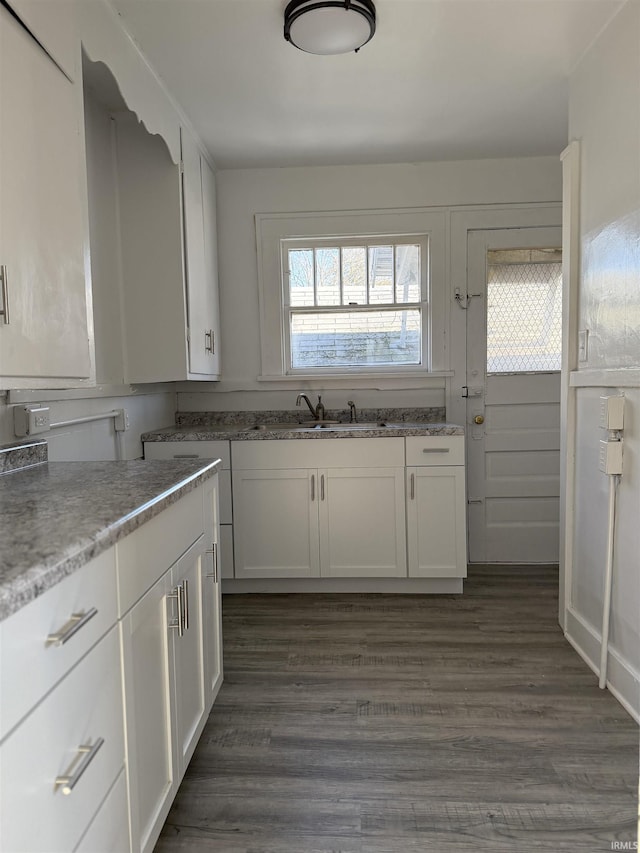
pixel 513 422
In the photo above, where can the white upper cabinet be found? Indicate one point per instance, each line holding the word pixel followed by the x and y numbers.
pixel 198 185
pixel 44 328
pixel 54 26
pixel 153 271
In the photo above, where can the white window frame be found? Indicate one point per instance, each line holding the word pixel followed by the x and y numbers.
pixel 390 225
pixel 366 240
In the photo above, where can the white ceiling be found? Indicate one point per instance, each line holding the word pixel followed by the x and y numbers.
pixel 441 79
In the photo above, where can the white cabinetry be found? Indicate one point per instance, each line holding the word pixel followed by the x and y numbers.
pixel 153 239
pixel 206 450
pixel 62 751
pixel 436 533
pixel 319 508
pixel 171 644
pixel 44 332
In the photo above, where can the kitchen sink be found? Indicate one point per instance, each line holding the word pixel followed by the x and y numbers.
pixel 314 425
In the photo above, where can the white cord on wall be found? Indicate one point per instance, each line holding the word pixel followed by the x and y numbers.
pixel 614 479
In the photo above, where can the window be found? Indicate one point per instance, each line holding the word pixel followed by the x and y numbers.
pixel 357 303
pixel 352 295
pixel 524 310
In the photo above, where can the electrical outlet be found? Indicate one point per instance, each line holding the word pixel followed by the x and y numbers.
pixel 31 420
pixel 610 457
pixel 121 421
pixel 612 412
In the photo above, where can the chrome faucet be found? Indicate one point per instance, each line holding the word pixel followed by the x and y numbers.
pixel 318 412
pixel 353 415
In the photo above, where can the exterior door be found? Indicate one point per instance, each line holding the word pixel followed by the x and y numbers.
pixel 513 312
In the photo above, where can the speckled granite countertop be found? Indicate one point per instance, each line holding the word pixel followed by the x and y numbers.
pixel 229 432
pixel 56 516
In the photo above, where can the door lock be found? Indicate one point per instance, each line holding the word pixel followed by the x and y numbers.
pixel 479 419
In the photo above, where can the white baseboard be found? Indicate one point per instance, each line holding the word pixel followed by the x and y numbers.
pixel 442 586
pixel 623 680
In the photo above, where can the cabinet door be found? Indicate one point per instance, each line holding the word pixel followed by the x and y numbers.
pixel 42 218
pixel 211 598
pixel 194 255
pixel 188 653
pixel 150 711
pixel 276 524
pixel 362 522
pixel 211 263
pixel 436 522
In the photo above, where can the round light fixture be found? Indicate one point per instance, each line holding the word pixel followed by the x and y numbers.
pixel 328 27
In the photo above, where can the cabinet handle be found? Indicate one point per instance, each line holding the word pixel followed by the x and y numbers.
pixel 313 487
pixel 322 487
pixel 186 456
pixel 178 624
pixel 214 551
pixel 435 449
pixel 86 754
pixel 209 347
pixel 413 486
pixel 4 311
pixel 71 627
pixel 185 604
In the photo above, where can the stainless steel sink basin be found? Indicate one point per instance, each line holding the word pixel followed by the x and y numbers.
pixel 334 426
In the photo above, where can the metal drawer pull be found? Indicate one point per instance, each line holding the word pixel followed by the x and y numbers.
pixel 185 603
pixel 4 285
pixel 77 621
pixel 186 456
pixel 178 624
pixel 413 486
pixel 86 754
pixel 435 449
pixel 208 347
pixel 214 574
pixel 322 487
pixel 313 487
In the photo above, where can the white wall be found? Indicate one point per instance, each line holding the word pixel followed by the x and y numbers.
pixel 605 117
pixel 243 193
pixel 97 441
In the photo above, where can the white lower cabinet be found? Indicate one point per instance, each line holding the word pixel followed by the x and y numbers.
pixel 343 518
pixel 172 656
pixel 59 764
pixel 436 508
pixel 125 661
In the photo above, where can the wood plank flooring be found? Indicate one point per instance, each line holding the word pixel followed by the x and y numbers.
pixel 397 724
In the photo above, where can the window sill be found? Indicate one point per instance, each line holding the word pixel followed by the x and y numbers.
pixel 379 381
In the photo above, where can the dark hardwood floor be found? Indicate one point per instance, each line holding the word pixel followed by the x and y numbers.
pixel 395 724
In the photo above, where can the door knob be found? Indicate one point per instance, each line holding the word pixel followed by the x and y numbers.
pixel 479 419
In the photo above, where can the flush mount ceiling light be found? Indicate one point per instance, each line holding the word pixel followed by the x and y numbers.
pixel 328 27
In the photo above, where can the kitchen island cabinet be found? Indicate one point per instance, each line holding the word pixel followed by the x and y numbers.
pixel 131 651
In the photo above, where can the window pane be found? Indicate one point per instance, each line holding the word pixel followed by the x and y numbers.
pixel 328 276
pixel 524 317
pixel 355 338
pixel 381 274
pixel 354 275
pixel 407 273
pixel 301 276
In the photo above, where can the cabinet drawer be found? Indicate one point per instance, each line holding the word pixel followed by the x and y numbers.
pixel 84 707
pixel 189 450
pixel 435 450
pixel 109 830
pixel 144 555
pixel 23 636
